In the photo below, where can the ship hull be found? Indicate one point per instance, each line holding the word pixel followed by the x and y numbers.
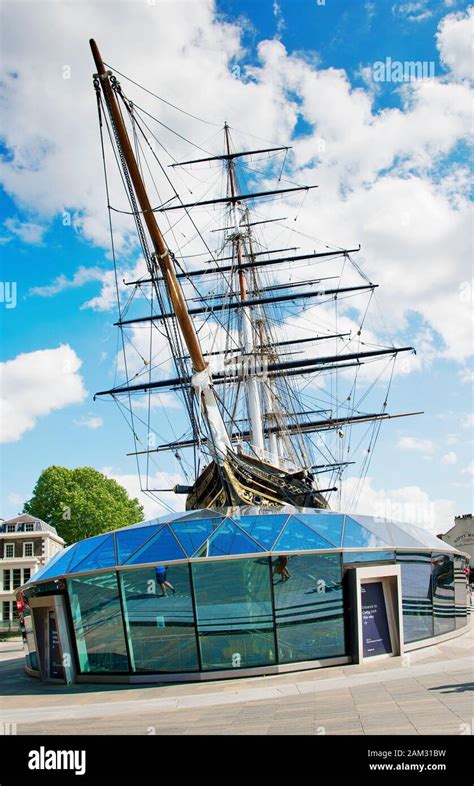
pixel 242 480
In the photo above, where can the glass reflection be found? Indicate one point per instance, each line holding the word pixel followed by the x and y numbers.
pixel 309 607
pixel 234 613
pixel 98 624
pixel 443 593
pixel 367 556
pixel 417 601
pixel 159 618
pixel 357 537
pixel 460 591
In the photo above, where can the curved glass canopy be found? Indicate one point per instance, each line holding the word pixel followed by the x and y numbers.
pixel 238 531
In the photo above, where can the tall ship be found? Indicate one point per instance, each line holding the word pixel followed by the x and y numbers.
pixel 252 376
pixel 245 358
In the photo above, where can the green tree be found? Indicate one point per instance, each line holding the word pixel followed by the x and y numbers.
pixel 81 502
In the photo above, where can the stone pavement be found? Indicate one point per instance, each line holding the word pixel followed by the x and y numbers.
pixel 429 691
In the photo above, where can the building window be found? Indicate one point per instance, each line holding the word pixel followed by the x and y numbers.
pixel 6 611
pixel 11 527
pixel 443 594
pixel 6 580
pixel 29 527
pixel 234 613
pixel 98 624
pixel 160 622
pixel 417 602
pixel 309 609
pixel 26 575
pixel 16 578
pixel 9 550
pixel 27 549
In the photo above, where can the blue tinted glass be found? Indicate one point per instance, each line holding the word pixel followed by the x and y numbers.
pixel 57 565
pixel 162 547
pixel 228 539
pixel 159 619
pixel 329 525
pixel 367 556
pixel 192 533
pixel 308 606
pixel 379 527
pixel 83 549
pixel 416 596
pixel 265 529
pixel 98 623
pixel 103 556
pixel 355 536
pixel 234 613
pixel 131 539
pixel 298 537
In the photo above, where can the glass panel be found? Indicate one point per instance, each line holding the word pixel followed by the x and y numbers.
pixel 380 527
pixel 192 533
pixel 308 607
pixel 357 537
pixel 103 556
pixel 98 625
pixel 228 539
pixel 234 613
pixel 298 537
pixel 443 593
pixel 367 556
pixel 160 622
pixel 129 540
pixel 328 525
pixel 265 529
pixel 58 564
pixel 460 591
pixel 416 596
pixel 162 547
pixel 83 549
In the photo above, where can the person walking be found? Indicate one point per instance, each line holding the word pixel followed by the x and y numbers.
pixel 281 569
pixel 161 572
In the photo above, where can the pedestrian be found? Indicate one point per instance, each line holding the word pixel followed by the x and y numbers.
pixel 281 569
pixel 161 572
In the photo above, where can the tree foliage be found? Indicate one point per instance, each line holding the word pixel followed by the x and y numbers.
pixel 81 502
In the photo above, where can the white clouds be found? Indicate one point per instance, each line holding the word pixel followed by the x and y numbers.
pixel 35 384
pixel 455 43
pixel 469 470
pixel 449 458
pixel 82 276
pixel 27 231
pixel 90 422
pixel 413 443
pixel 379 171
pixel 407 503
pixel 414 11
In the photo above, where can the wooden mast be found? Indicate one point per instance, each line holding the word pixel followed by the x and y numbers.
pixel 162 254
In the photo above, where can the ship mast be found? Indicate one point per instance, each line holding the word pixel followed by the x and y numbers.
pixel 201 380
pixel 246 325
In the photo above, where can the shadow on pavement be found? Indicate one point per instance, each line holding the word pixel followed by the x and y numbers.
pixel 460 687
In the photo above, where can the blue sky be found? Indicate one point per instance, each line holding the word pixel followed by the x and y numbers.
pixel 50 163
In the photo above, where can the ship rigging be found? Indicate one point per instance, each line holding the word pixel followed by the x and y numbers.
pixel 229 334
